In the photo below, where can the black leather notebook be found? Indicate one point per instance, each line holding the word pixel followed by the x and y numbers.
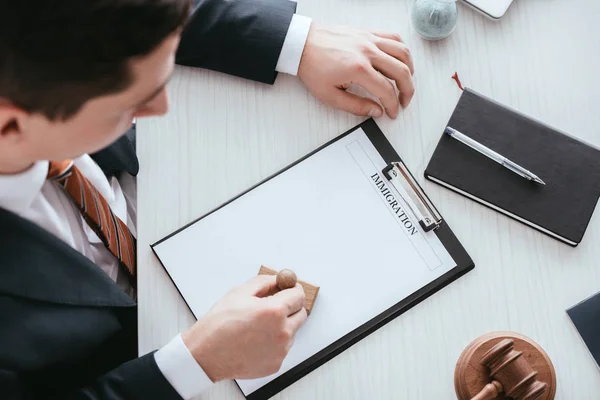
pixel 586 318
pixel 569 167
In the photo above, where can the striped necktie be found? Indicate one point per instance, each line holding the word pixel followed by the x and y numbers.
pixel 113 232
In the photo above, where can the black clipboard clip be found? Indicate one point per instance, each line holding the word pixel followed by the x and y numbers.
pixel 412 194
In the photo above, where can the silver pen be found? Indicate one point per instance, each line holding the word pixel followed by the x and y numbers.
pixel 500 159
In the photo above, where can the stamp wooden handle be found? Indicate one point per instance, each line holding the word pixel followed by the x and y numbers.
pixel 286 279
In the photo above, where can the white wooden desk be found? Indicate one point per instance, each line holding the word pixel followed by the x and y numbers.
pixel 224 134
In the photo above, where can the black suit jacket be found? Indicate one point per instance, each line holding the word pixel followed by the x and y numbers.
pixel 66 330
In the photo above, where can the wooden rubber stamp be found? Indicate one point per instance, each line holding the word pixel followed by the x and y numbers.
pixel 287 279
pixel 504 365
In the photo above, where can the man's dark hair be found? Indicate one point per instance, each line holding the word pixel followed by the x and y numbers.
pixel 57 54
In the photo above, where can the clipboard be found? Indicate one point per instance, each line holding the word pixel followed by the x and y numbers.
pixel 430 220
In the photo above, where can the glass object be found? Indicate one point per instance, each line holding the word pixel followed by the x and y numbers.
pixel 434 19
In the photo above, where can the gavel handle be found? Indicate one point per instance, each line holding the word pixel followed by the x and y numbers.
pixel 489 391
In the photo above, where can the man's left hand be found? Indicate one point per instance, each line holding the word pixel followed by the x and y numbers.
pixel 334 58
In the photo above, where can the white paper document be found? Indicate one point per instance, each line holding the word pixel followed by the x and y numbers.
pixel 336 221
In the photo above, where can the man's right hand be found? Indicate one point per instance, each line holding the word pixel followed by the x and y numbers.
pixel 249 332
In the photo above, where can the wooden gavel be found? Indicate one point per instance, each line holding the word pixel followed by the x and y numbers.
pixel 511 374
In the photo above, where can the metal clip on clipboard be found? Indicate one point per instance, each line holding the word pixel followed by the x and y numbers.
pixel 412 194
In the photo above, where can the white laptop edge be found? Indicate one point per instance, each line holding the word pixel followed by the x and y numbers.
pixel 493 9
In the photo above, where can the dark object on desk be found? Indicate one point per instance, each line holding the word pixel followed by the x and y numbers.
pixel 502 365
pixel 586 318
pixel 570 168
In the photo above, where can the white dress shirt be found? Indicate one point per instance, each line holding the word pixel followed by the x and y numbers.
pixel 31 196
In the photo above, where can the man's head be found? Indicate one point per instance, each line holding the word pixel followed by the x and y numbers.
pixel 74 73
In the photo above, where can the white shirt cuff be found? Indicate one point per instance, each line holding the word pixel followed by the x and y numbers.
pixel 181 369
pixel 293 45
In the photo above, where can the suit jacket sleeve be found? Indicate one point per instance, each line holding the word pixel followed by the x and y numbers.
pixel 238 37
pixel 139 379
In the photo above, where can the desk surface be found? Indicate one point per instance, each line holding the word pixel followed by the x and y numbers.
pixel 224 134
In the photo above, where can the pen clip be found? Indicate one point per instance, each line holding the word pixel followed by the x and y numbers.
pixel 412 194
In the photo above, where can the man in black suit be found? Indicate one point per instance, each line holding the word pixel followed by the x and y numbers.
pixel 73 76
